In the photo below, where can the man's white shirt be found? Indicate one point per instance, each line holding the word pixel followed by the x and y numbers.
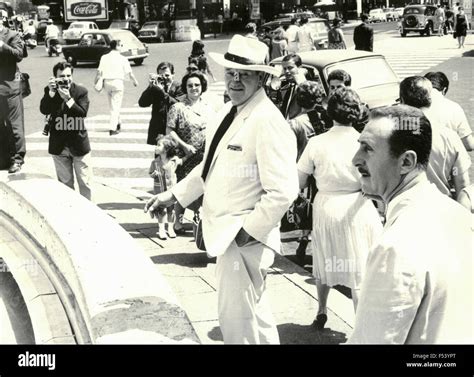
pixel 114 66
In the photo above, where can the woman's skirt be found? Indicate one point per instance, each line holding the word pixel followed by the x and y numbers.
pixel 336 46
pixel 345 226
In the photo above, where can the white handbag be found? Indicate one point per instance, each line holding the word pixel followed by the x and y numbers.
pixel 99 85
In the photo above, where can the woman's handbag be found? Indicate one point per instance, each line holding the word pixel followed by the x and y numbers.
pixel 99 85
pixel 25 85
pixel 197 230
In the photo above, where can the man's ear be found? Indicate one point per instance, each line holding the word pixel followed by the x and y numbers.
pixel 407 162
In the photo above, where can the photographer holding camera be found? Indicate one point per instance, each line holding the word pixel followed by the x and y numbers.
pixel 114 69
pixel 66 104
pixel 162 92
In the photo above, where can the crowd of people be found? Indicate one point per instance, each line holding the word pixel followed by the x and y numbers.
pixel 387 184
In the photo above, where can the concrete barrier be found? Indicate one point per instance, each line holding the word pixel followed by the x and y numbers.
pixel 111 291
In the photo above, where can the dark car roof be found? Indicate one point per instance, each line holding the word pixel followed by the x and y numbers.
pixel 323 58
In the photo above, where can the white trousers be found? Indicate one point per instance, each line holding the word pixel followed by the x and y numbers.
pixel 114 90
pixel 66 164
pixel 245 315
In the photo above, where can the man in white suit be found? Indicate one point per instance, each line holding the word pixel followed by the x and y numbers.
pixel 249 179
pixel 418 285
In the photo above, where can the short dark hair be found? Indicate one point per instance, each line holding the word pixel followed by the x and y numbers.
pixel 340 75
pixel 415 91
pixel 364 17
pixel 198 48
pixel 61 66
pixel 190 75
pixel 295 57
pixel 439 80
pixel 308 94
pixel 303 21
pixel 412 131
pixel 164 65
pixel 293 21
pixel 336 22
pixel 346 107
pixel 114 43
pixel 251 27
pixel 171 146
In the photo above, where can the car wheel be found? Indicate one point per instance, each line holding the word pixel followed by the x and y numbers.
pixel 138 61
pixel 71 60
pixel 428 30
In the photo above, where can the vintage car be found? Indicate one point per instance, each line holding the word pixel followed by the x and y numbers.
pixel 377 15
pixel 319 29
pixel 372 77
pixel 96 43
pixel 154 31
pixel 399 12
pixel 298 15
pixel 420 19
pixel 390 14
pixel 130 25
pixel 74 32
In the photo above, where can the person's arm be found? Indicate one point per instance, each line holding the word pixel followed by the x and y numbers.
pixel 13 49
pixel 47 104
pixel 76 107
pixel 305 166
pixel 133 78
pixel 371 39
pixel 343 39
pixel 392 291
pixel 468 142
pixel 460 172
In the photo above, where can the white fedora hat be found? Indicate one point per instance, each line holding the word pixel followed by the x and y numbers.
pixel 247 54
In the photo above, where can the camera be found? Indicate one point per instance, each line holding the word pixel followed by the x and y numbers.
pixel 62 82
pixel 157 79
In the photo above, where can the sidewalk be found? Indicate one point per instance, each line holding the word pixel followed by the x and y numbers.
pixel 190 273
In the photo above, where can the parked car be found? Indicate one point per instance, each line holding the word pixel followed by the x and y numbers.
pixel 377 15
pixel 319 29
pixel 298 15
pixel 372 77
pixel 130 25
pixel 390 14
pixel 399 12
pixel 74 33
pixel 157 31
pixel 96 43
pixel 420 19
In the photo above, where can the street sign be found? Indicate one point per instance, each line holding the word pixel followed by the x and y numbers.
pixel 86 10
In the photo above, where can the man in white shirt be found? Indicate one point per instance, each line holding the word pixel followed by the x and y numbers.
pixel 304 37
pixel 418 287
pixel 291 36
pixel 449 161
pixel 446 112
pixel 52 32
pixel 114 69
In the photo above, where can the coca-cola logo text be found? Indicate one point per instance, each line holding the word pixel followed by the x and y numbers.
pixel 86 9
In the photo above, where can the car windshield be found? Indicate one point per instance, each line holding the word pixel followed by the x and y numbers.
pixel 413 11
pixel 319 27
pixel 380 72
pixel 149 25
pixel 128 40
pixel 76 26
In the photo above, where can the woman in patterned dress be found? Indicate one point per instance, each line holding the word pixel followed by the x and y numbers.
pixel 336 40
pixel 186 124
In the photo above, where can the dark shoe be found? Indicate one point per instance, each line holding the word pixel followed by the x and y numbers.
pixel 115 132
pixel 320 321
pixel 179 231
pixel 15 168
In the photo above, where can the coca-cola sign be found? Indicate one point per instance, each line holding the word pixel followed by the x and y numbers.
pixel 86 9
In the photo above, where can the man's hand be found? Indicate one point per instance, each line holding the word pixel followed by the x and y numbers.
pixel 165 199
pixel 64 93
pixel 154 174
pixel 243 238
pixel 52 84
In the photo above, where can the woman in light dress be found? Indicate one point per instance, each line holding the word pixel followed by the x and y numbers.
pixel 279 44
pixel 345 224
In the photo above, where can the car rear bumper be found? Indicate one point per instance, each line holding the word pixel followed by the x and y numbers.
pixel 141 56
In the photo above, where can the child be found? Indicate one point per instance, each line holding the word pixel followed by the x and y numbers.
pixel 198 53
pixel 163 171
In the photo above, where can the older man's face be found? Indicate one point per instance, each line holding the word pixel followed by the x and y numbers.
pixel 380 173
pixel 241 84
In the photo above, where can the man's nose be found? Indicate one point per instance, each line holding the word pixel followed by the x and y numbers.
pixel 356 160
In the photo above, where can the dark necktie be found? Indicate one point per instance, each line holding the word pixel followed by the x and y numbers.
pixel 223 127
pixel 287 100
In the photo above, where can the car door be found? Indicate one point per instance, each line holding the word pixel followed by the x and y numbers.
pixel 100 47
pixel 82 50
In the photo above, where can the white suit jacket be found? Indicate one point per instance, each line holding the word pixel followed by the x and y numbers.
pixel 252 179
pixel 419 281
